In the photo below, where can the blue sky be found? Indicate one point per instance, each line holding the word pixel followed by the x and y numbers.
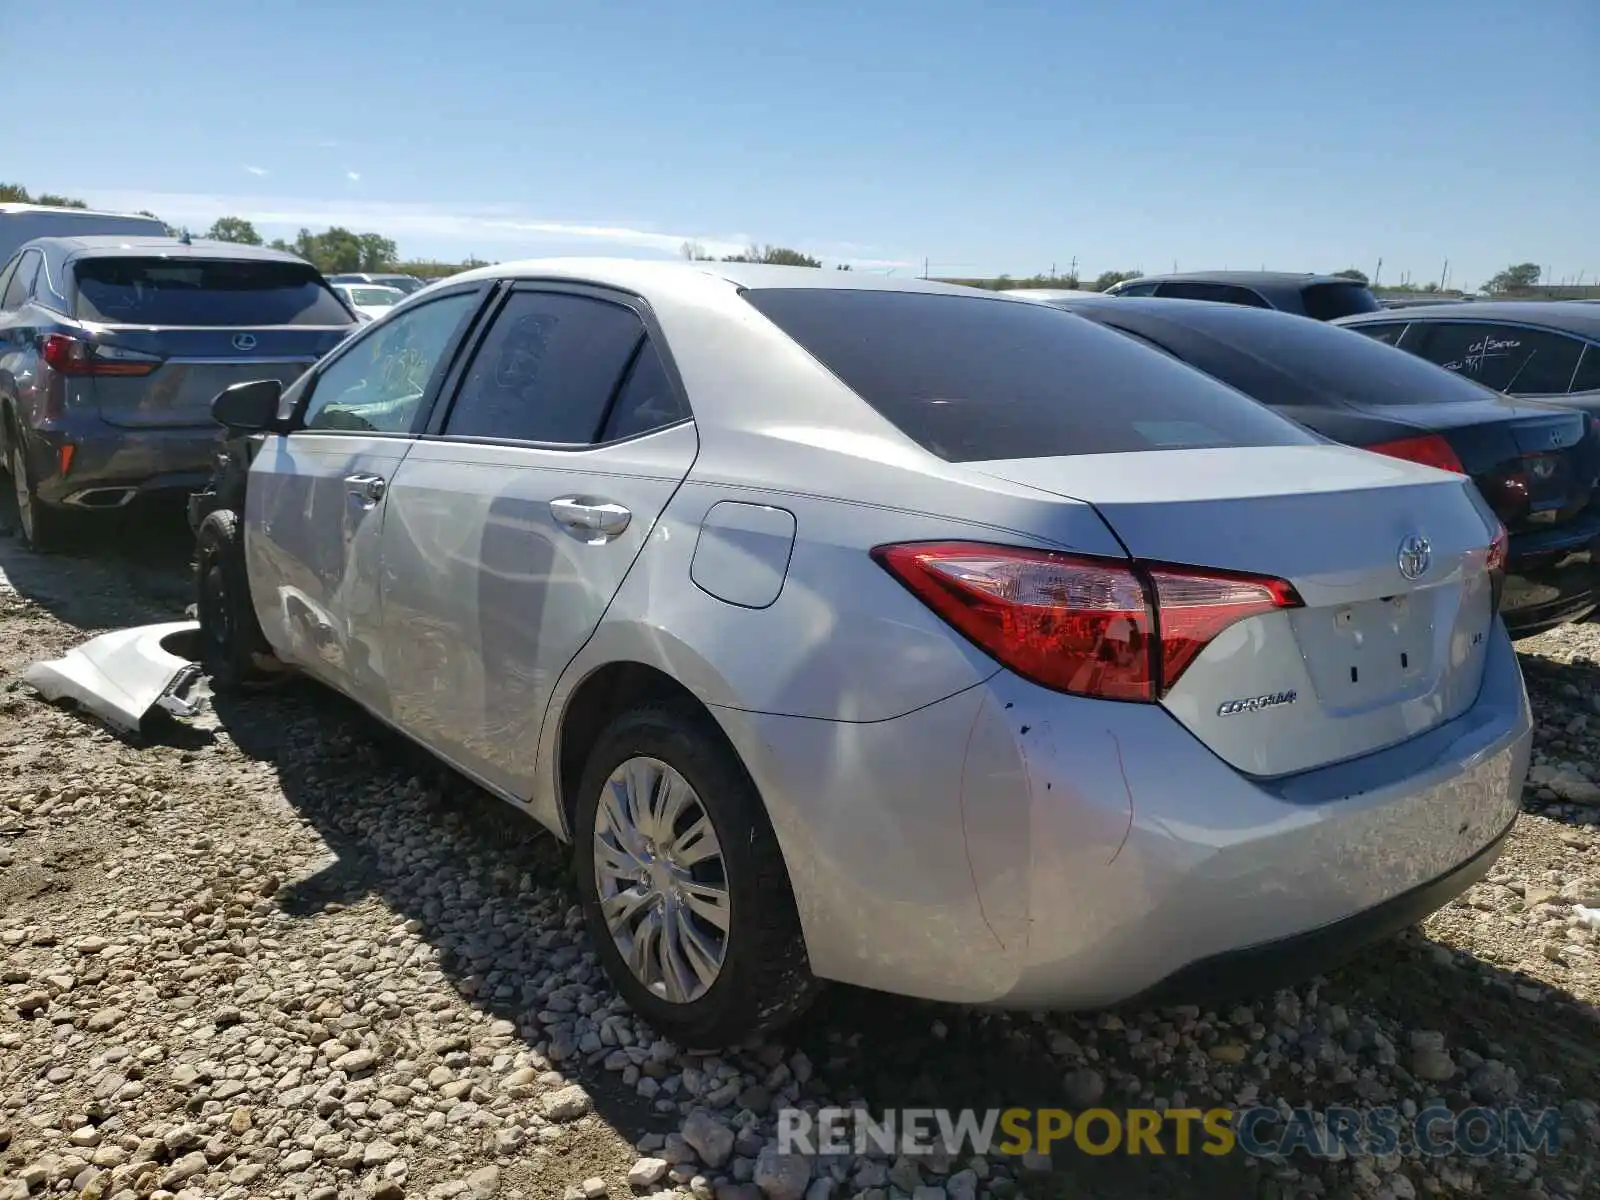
pixel 984 137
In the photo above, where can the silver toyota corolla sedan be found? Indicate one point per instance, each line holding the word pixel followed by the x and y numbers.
pixel 885 632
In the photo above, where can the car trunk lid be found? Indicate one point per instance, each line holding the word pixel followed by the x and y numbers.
pixel 1388 558
pixel 196 364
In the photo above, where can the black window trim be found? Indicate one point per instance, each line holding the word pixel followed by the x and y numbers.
pixel 1590 349
pixel 444 401
pixel 7 269
pixel 1513 323
pixel 452 350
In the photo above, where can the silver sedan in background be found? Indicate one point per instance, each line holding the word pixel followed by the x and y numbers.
pixel 884 632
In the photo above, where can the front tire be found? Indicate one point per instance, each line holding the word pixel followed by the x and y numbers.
pixel 683 887
pixel 230 637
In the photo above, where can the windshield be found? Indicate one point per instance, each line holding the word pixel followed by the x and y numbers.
pixel 1330 301
pixel 203 292
pixel 374 297
pixel 929 364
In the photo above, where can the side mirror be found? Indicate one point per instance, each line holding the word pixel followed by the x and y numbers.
pixel 248 407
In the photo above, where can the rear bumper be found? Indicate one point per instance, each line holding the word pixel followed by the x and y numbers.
pixel 1014 847
pixel 109 466
pixel 1283 962
pixel 1552 577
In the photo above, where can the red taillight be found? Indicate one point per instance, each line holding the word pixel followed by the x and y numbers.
pixel 1498 550
pixel 75 356
pixel 1429 449
pixel 1093 627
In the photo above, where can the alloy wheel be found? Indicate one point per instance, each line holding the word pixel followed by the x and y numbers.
pixel 661 879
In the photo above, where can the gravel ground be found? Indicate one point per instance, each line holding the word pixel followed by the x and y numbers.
pixel 277 953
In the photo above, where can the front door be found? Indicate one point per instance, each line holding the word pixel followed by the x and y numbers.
pixel 512 527
pixel 316 500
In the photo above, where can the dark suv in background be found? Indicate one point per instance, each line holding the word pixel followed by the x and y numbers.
pixel 112 349
pixel 1320 297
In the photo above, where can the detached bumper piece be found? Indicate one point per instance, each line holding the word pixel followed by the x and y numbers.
pixel 121 677
pixel 1263 968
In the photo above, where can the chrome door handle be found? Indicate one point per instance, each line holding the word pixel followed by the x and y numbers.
pixel 369 488
pixel 598 517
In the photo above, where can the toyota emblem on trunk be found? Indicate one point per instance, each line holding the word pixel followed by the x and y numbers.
pixel 1415 555
pixel 244 341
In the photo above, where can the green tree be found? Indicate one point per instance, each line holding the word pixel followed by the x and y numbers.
pixel 779 256
pixel 1107 279
pixel 55 201
pixel 234 229
pixel 1518 278
pixel 377 253
pixel 14 193
pixel 1353 273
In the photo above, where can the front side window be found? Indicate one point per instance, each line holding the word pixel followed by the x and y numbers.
pixel 1503 357
pixel 201 292
pixel 378 384
pixel 1134 289
pixel 546 370
pixel 1221 293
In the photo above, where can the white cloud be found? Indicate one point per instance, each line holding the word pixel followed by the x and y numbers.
pixel 257 171
pixel 353 176
pixel 475 228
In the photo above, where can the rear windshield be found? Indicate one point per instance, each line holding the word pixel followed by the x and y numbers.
pixel 1300 355
pixel 972 379
pixel 1330 301
pixel 375 297
pixel 191 291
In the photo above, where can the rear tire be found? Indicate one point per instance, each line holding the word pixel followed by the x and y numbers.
pixel 761 978
pixel 230 636
pixel 43 529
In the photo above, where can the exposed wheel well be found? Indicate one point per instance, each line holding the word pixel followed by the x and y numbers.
pixel 613 689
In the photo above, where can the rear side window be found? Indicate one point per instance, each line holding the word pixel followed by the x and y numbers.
pixel 647 400
pixel 203 292
pixel 1503 357
pixel 1588 377
pixel 1329 301
pixel 1221 293
pixel 1389 335
pixel 971 379
pixel 546 370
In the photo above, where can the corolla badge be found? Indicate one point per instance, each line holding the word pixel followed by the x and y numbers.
pixel 244 341
pixel 1250 704
pixel 1415 555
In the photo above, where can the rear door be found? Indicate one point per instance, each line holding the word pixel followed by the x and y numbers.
pixel 514 520
pixel 199 325
pixel 316 501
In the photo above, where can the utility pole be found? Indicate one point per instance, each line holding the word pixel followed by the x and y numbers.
pixel 1444 275
pixel 924 266
pixel 1072 272
pixel 1378 273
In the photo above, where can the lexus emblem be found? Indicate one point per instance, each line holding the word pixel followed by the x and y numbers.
pixel 244 341
pixel 1415 555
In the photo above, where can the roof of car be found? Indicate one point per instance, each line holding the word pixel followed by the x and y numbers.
pixel 1561 315
pixel 101 245
pixel 11 207
pixel 1251 278
pixel 631 273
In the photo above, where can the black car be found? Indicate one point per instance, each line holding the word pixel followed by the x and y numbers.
pixel 1320 297
pixel 1544 349
pixel 1535 464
